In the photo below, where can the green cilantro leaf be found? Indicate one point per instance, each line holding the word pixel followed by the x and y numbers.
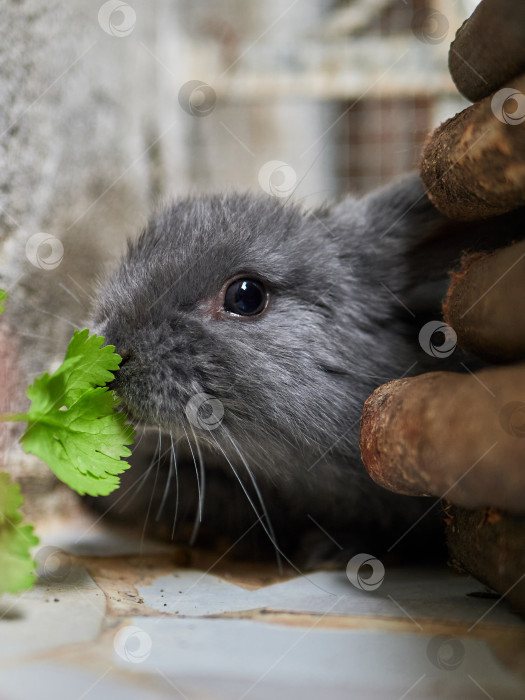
pixel 72 422
pixel 72 425
pixel 16 564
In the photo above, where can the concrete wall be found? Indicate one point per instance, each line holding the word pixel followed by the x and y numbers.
pixel 93 134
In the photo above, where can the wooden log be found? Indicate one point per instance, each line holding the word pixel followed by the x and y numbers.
pixel 489 48
pixel 490 545
pixel 450 435
pixel 485 304
pixel 473 165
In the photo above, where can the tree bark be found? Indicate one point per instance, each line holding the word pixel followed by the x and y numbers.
pixel 450 435
pixel 490 545
pixel 489 48
pixel 484 304
pixel 473 165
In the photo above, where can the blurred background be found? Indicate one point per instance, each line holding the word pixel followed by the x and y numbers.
pixel 109 108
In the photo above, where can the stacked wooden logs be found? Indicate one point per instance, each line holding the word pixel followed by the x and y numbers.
pixel 461 437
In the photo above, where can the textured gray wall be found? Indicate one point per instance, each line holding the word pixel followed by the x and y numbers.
pixel 66 136
pixel 92 134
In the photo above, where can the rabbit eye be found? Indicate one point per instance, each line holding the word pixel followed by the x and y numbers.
pixel 245 297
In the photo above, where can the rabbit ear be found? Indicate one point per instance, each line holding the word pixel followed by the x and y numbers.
pixel 416 243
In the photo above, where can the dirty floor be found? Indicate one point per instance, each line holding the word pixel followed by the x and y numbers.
pixel 109 621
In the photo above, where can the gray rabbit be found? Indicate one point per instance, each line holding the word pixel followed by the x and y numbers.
pixel 251 333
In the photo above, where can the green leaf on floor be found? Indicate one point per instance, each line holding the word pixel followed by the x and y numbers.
pixel 16 539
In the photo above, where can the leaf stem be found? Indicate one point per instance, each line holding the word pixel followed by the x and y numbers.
pixel 14 417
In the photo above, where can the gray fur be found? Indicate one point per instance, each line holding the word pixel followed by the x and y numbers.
pixel 293 382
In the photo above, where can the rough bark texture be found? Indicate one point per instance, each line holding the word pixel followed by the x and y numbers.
pixel 489 48
pixel 450 434
pixel 485 304
pixel 490 545
pixel 473 165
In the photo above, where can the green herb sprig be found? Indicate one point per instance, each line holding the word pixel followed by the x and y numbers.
pixel 73 426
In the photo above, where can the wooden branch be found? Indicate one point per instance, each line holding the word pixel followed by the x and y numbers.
pixel 484 304
pixel 450 434
pixel 489 48
pixel 473 165
pixel 490 545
